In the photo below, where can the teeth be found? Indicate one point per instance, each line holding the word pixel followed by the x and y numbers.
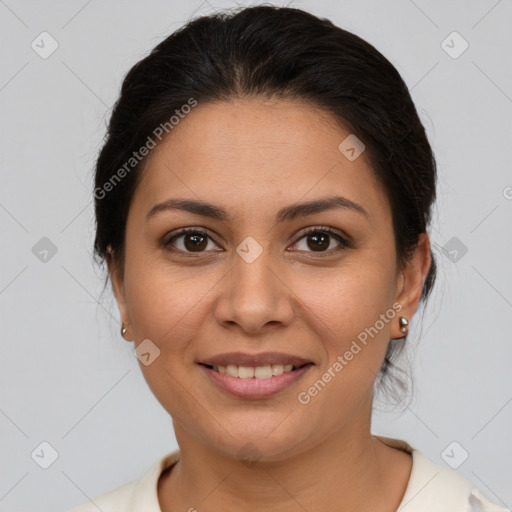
pixel 263 372
pixel 259 372
pixel 232 370
pixel 245 372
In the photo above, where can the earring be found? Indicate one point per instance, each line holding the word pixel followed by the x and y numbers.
pixel 403 324
pixel 123 329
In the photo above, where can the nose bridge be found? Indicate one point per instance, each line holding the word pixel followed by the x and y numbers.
pixel 252 277
pixel 253 295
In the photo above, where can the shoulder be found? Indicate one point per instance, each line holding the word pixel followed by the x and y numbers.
pixel 435 487
pixel 135 496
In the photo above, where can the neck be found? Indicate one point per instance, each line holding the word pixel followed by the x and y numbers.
pixel 349 471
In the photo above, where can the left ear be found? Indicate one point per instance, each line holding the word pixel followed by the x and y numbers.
pixel 410 281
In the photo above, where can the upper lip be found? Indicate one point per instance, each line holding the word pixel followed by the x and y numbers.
pixel 262 359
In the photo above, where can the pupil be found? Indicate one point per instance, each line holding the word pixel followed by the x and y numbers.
pixel 320 240
pixel 197 241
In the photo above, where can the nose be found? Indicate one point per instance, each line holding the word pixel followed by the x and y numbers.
pixel 254 296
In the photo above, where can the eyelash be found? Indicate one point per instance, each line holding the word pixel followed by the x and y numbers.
pixel 343 242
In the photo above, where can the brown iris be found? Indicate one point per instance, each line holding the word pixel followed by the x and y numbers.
pixel 320 241
pixel 197 241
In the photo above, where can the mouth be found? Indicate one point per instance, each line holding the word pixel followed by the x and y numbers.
pixel 254 376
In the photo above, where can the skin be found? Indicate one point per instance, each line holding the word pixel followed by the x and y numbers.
pixel 252 158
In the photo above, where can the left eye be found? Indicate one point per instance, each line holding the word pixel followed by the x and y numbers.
pixel 321 240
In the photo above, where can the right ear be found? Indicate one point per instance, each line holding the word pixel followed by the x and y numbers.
pixel 117 285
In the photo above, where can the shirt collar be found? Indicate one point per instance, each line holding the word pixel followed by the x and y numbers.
pixel 430 487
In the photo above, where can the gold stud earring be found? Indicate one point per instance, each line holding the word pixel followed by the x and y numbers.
pixel 404 323
pixel 123 329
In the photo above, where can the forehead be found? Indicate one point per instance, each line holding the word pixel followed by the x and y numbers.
pixel 250 151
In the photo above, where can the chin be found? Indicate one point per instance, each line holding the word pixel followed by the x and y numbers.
pixel 262 441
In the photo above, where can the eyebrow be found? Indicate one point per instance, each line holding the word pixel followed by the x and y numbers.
pixel 287 213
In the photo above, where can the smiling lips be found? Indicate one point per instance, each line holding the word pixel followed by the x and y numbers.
pixel 254 376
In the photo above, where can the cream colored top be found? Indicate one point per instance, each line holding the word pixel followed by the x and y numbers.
pixel 431 488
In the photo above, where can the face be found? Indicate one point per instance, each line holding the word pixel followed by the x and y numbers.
pixel 261 280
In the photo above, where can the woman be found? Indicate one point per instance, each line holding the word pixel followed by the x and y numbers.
pixel 262 202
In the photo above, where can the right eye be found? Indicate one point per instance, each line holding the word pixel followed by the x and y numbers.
pixel 189 240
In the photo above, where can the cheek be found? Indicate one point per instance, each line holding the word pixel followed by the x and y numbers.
pixel 164 301
pixel 351 299
pixel 349 309
pixel 168 308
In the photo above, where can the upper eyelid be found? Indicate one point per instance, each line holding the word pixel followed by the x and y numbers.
pixel 320 228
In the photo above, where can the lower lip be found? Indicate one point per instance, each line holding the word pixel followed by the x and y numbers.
pixel 255 388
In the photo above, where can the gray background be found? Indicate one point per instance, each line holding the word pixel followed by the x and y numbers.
pixel 66 375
